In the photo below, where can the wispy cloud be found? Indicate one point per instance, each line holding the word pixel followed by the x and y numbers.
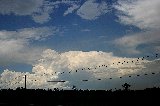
pixel 144 15
pixel 71 9
pixel 130 43
pixel 75 24
pixel 39 10
pixel 141 13
pixel 85 30
pixel 34 8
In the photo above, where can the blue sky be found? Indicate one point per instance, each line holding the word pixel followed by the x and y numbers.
pixel 32 31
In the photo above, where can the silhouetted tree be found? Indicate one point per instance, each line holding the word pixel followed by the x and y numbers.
pixel 74 87
pixel 126 86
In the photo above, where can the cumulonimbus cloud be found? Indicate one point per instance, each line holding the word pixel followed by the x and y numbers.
pixel 74 66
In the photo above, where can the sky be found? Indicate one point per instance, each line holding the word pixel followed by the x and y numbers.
pixel 76 40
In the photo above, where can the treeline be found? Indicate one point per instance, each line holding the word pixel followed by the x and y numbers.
pixel 41 97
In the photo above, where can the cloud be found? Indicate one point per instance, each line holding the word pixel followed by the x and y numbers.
pixel 141 13
pixel 23 8
pixel 157 49
pixel 20 7
pixel 85 30
pixel 39 10
pixel 54 66
pixel 130 43
pixel 43 17
pixel 132 12
pixel 16 45
pixel 71 9
pixel 75 24
pixel 92 10
pixel 12 79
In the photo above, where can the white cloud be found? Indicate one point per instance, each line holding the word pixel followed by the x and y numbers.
pixel 52 64
pixel 71 9
pixel 92 10
pixel 15 45
pixel 12 79
pixel 141 13
pixel 129 43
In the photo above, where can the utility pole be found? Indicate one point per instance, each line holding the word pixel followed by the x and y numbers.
pixel 25 81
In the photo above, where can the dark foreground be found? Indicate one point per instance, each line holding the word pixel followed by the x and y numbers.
pixel 39 97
